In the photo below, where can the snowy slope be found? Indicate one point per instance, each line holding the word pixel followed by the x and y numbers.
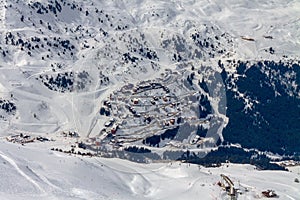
pixel 157 77
pixel 95 36
pixel 61 60
pixel 43 174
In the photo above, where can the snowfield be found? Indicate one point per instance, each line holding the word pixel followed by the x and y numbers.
pixel 136 75
pixel 34 172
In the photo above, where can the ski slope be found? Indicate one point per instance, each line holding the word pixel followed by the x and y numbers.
pixel 33 172
pixel 59 63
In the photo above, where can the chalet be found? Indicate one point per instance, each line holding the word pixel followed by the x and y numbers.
pixel 147 119
pixel 113 140
pixel 137 115
pixel 113 131
pixel 172 121
pixel 166 123
pixel 269 194
pixel 132 110
pixel 166 90
pixel 155 98
pixel 135 101
pixel 114 128
pixel 165 98
pixel 108 124
pixel 105 102
pixel 195 139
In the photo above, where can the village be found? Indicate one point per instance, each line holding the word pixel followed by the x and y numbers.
pixel 151 113
pixel 147 117
pixel 25 138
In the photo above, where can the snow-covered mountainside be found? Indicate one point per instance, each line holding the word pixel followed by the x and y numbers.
pixel 151 80
pixel 33 172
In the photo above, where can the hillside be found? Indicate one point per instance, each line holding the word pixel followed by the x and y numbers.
pixel 204 82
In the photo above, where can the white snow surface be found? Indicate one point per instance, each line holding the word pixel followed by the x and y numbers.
pixel 34 172
pixel 156 21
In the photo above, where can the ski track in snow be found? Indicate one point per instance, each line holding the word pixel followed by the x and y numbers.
pixel 22 173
